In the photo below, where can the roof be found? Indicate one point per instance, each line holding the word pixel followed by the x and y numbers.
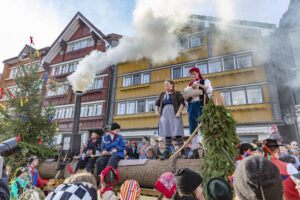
pixel 67 33
pixel 236 22
pixel 26 49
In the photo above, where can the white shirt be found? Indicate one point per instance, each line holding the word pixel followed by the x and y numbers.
pixel 209 89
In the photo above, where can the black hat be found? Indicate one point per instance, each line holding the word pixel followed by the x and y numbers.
pixel 272 143
pixel 219 189
pixel 187 180
pixel 257 178
pixel 31 159
pixel 98 131
pixel 115 126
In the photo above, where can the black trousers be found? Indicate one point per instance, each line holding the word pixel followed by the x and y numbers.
pixel 104 161
pixel 87 163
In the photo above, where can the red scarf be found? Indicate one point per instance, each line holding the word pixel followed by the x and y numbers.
pixel 93 141
pixel 169 91
pixel 197 79
pixel 115 135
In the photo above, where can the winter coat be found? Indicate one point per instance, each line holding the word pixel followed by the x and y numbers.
pixel 93 146
pixel 108 144
pixel 4 186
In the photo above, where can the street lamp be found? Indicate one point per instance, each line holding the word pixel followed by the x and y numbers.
pixel 76 137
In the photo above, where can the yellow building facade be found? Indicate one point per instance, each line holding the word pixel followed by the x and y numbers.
pixel 230 55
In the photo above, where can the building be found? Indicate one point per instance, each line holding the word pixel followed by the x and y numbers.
pixel 11 65
pixel 77 40
pixel 285 59
pixel 229 54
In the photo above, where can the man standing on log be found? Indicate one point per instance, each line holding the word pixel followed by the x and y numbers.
pixel 196 96
pixel 112 149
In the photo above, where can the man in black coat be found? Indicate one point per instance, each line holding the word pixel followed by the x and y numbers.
pixel 132 150
pixel 92 148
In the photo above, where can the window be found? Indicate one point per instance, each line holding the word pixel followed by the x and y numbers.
pixel 228 63
pixel 176 72
pixel 71 67
pixel 215 66
pixel 122 109
pixel 183 43
pixel 226 96
pixel 67 112
pixel 76 45
pixel 254 95
pixel 72 112
pixel 82 111
pixel 202 67
pixel 84 43
pixel 146 78
pixel 151 106
pixel 141 106
pixel 70 47
pixel 13 73
pixel 99 83
pixel 99 110
pixel 131 107
pixel 195 40
pixel 243 61
pixel 127 81
pixel 91 42
pixel 238 96
pixel 90 111
pixel 60 114
pixel 136 79
pixel 186 70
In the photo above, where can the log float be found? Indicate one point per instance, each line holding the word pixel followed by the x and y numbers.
pixel 146 172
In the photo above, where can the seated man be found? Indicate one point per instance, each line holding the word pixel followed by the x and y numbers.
pixel 92 147
pixel 112 149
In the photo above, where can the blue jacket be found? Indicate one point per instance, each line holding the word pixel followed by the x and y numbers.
pixel 117 143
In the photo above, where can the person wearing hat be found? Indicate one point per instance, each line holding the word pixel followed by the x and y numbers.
pixel 271 148
pixel 166 185
pixel 130 190
pixel 132 150
pixel 34 176
pixel 257 178
pixel 189 185
pixel 18 184
pixel 219 189
pixel 92 148
pixel 196 96
pixel 109 177
pixel 112 149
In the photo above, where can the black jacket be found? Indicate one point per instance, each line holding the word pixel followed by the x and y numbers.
pixel 133 154
pixel 93 146
pixel 4 186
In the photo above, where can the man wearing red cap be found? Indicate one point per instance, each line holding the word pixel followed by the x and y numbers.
pixel 199 89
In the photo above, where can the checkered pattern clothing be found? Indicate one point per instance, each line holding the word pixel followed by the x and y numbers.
pixel 74 191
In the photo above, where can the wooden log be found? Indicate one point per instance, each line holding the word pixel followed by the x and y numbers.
pixel 146 174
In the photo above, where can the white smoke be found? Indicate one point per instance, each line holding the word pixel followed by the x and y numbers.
pixel 155 23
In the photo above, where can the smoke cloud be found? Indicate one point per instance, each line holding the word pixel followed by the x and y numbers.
pixel 155 24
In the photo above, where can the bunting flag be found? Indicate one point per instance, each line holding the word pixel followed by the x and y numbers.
pixel 2 92
pixel 21 116
pixel 45 77
pixel 37 53
pixel 4 108
pixel 7 90
pixel 19 139
pixel 50 117
pixel 57 128
pixel 23 101
pixel 31 41
pixel 51 107
pixel 41 141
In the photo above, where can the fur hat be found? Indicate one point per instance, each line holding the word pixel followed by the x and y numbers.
pixel 187 180
pixel 115 126
pixel 257 178
pixel 219 189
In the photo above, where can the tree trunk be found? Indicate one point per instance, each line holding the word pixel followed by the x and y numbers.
pixel 146 174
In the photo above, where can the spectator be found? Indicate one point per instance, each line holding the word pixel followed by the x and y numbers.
pixel 166 185
pixel 145 140
pixel 151 153
pixel 286 169
pixel 294 147
pixel 78 186
pixel 189 184
pixel 286 157
pixel 132 151
pixel 4 185
pixel 112 148
pixel 92 148
pixel 161 148
pixel 172 147
pixel 109 177
pixel 243 149
pixel 200 152
pixel 19 183
pixel 219 189
pixel 128 144
pixel 130 190
pixel 34 176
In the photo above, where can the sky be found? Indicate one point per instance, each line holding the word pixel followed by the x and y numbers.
pixel 44 20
